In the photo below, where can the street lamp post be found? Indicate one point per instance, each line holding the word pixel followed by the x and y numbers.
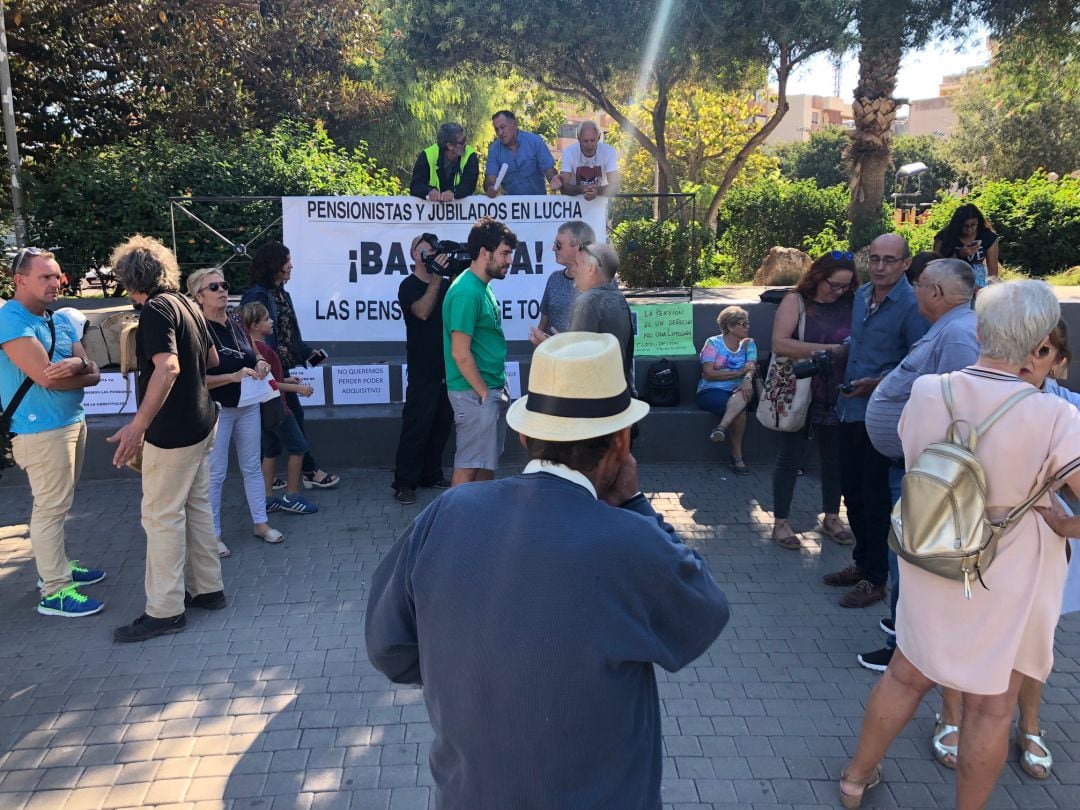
pixel 9 135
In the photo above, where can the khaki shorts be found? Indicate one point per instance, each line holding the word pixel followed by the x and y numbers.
pixel 479 428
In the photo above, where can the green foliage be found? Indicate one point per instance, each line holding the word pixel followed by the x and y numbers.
pixel 771 212
pixel 92 72
pixel 1019 116
pixel 820 159
pixel 1036 220
pixel 91 199
pixel 832 237
pixel 661 254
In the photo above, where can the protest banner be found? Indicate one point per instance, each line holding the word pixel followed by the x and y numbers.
pixel 350 254
pixel 113 394
pixel 663 329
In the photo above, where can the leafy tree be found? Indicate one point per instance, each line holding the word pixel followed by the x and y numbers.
pixel 886 29
pixel 821 158
pixel 608 51
pixel 90 72
pixel 90 199
pixel 1019 115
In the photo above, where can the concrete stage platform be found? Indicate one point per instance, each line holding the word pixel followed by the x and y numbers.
pixel 366 435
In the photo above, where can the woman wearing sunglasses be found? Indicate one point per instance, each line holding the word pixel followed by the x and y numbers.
pixel 825 294
pixel 237 360
pixel 1043 368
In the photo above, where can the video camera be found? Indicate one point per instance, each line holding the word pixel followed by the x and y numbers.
pixel 456 252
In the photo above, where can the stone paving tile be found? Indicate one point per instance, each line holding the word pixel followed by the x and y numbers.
pixel 271 703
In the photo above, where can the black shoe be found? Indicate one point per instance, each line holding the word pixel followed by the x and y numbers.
pixel 146 627
pixel 215 600
pixel 888 625
pixel 878 660
pixel 442 483
pixel 405 495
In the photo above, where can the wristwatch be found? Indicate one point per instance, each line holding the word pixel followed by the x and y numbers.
pixel 85 365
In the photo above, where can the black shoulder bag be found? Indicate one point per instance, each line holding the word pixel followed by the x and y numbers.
pixel 6 457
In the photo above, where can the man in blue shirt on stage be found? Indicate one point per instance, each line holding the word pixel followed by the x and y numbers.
pixel 533 609
pixel 525 156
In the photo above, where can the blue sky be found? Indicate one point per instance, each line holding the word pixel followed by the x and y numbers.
pixel 920 72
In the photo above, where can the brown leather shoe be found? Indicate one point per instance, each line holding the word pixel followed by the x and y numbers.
pixel 863 594
pixel 844 579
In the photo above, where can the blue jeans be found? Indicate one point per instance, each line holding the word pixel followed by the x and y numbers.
pixel 896 473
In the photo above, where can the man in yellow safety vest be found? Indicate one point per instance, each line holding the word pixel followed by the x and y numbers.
pixel 447 169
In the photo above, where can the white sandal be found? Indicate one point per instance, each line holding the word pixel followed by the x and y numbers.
pixel 1030 761
pixel 272 536
pixel 941 751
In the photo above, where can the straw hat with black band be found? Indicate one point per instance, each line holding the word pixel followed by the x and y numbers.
pixel 577 390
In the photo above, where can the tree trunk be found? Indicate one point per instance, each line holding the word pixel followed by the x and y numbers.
pixel 783 72
pixel 881 27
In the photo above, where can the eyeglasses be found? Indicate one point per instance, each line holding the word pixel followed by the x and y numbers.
pixel 558 245
pixel 740 323
pixel 227 352
pixel 215 286
pixel 20 257
pixel 458 143
pixel 838 286
pixel 888 261
pixel 839 255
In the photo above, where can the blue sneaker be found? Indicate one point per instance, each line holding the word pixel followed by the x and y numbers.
pixel 82 576
pixel 273 505
pixel 298 504
pixel 69 602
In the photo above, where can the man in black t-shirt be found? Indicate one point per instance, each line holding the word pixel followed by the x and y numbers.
pixel 427 417
pixel 174 427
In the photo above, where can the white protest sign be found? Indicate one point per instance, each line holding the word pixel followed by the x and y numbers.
pixel 110 395
pixel 350 254
pixel 513 379
pixel 315 378
pixel 361 385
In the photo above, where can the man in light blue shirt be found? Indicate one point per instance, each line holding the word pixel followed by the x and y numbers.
pixel 526 157
pixel 943 293
pixel 49 426
pixel 885 324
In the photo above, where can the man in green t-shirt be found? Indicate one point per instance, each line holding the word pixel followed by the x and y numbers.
pixel 475 351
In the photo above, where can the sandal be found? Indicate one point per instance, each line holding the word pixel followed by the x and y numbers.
pixel 272 536
pixel 839 535
pixel 739 467
pixel 321 479
pixel 222 549
pixel 791 542
pixel 1030 761
pixel 940 749
pixel 850 800
pixel 718 434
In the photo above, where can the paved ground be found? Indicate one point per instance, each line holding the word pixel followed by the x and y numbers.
pixel 272 704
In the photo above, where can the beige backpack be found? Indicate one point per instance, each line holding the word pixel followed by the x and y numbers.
pixel 104 340
pixel 940 522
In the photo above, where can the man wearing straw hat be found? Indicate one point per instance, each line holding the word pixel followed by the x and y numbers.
pixel 543 602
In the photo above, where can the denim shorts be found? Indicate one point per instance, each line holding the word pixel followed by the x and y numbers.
pixel 287 435
pixel 479 428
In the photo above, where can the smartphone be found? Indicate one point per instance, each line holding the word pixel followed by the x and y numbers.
pixel 317 357
pixel 845 388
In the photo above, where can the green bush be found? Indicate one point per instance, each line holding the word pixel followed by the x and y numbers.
pixel 660 254
pixel 774 211
pixel 1036 220
pixel 88 201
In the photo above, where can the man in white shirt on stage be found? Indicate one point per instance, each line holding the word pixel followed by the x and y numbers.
pixel 590 168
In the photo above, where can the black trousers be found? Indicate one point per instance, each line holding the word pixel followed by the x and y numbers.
pixel 864 475
pixel 291 397
pixel 425 429
pixel 793 447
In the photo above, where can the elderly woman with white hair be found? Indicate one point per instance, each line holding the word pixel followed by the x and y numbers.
pixel 986 645
pixel 237 360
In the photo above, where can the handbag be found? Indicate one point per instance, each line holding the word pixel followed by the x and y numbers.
pixel 7 456
pixel 785 401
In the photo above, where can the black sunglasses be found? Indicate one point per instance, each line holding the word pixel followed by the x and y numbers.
pixel 214 286
pixel 20 257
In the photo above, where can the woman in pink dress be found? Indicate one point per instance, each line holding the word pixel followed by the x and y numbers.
pixel 984 646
